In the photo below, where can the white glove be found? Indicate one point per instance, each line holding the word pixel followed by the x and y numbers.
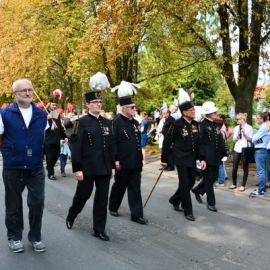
pixel 224 159
pixel 198 164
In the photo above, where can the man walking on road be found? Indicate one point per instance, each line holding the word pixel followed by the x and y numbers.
pixel 183 134
pixel 92 158
pixel 53 136
pixel 213 149
pixel 22 128
pixel 129 158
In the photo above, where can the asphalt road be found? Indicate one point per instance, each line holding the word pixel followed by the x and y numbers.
pixel 236 237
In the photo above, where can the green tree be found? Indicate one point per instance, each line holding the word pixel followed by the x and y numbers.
pixel 220 26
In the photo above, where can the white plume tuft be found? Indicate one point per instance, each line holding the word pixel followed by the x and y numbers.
pixel 183 96
pixel 99 82
pixel 126 89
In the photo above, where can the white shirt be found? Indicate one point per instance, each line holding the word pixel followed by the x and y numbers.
pixel 1 125
pixel 243 141
pixel 27 115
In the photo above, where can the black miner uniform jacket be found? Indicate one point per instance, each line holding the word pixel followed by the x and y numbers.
pixel 184 138
pixel 92 146
pixel 213 144
pixel 167 124
pixel 127 138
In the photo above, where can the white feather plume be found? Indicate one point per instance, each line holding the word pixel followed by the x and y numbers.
pixel 126 89
pixel 183 96
pixel 99 82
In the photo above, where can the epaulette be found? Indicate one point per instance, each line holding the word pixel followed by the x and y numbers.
pixel 112 125
pixel 62 124
pixel 200 126
pixel 171 129
pixel 75 127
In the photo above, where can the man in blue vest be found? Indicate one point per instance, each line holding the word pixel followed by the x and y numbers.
pixel 22 128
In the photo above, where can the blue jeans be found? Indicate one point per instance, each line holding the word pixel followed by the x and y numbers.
pixel 15 182
pixel 268 152
pixel 261 159
pixel 221 174
pixel 63 162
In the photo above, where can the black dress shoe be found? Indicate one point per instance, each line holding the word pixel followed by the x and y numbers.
pixel 212 208
pixel 52 177
pixel 168 169
pixel 102 236
pixel 190 217
pixel 114 214
pixel 140 220
pixel 197 196
pixel 177 208
pixel 69 223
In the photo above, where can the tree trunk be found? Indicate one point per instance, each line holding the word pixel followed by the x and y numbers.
pixel 244 101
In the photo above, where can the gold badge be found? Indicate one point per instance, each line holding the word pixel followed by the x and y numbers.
pixel 98 95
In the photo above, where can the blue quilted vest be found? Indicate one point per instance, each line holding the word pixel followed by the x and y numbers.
pixel 23 146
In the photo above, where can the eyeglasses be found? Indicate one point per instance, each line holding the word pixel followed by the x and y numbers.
pixel 24 91
pixel 96 102
pixel 131 107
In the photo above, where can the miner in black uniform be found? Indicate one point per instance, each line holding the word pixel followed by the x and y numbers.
pixel 92 158
pixel 183 134
pixel 213 149
pixel 53 135
pixel 129 158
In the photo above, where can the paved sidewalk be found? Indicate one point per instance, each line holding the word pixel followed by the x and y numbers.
pixel 153 165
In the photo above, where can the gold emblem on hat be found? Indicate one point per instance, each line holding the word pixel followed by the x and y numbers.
pixel 98 94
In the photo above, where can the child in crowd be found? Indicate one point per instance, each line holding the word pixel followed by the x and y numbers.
pixel 64 154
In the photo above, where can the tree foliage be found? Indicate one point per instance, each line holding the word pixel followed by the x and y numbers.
pixel 163 45
pixel 233 34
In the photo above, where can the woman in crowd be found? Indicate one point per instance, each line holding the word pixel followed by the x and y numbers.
pixel 159 136
pixel 226 133
pixel 241 137
pixel 144 138
pixel 268 151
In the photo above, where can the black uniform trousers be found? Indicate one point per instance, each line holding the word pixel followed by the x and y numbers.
pixel 186 176
pixel 210 175
pixel 129 179
pixel 171 159
pixel 83 193
pixel 52 152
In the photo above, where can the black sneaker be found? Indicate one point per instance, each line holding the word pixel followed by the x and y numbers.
pixel 52 177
